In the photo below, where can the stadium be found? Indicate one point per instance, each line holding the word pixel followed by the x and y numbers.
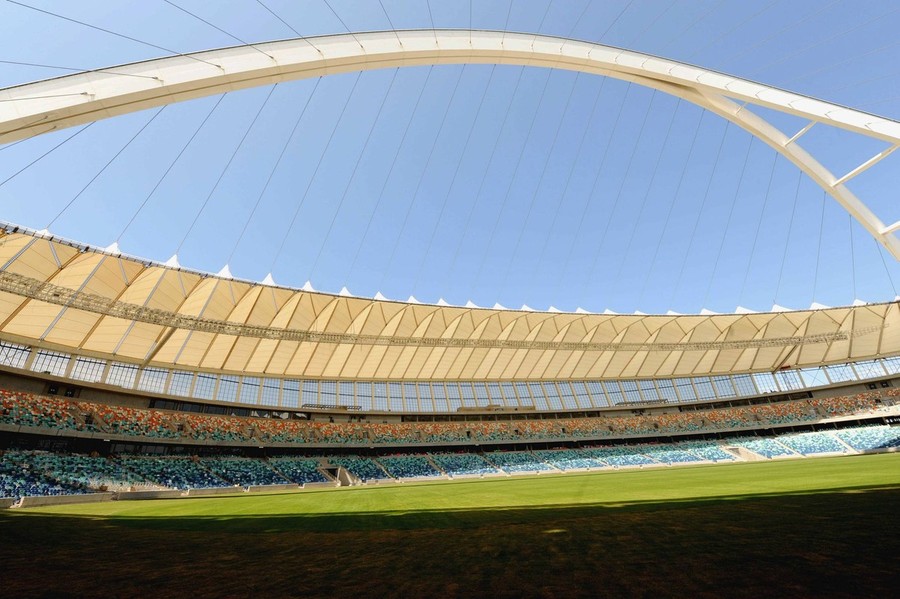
pixel 183 412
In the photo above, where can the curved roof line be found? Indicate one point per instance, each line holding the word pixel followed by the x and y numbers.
pixel 58 295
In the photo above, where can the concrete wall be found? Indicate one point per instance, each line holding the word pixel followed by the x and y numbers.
pixel 66 499
pixel 327 485
pixel 214 491
pixel 287 487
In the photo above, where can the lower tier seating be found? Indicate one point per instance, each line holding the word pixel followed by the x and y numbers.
pixel 174 473
pixel 41 473
pixel 298 470
pixel 517 461
pixel 462 464
pixel 244 472
pixel 362 468
pixel 870 437
pixel 408 466
pixel 808 443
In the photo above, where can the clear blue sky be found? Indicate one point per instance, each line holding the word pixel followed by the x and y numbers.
pixel 510 185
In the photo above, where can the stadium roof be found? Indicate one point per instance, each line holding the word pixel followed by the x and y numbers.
pixel 63 295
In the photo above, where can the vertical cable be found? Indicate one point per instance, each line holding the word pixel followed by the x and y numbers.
pixel 110 32
pixel 538 186
pixel 819 250
pixel 287 142
pixel 612 212
pixel 737 192
pixel 312 178
pixel 565 191
pixel 693 234
pixel 762 215
pixel 655 20
pixel 166 173
pixel 887 271
pixel 615 20
pixel 387 178
pixel 422 177
pixel 740 24
pixel 654 172
pixel 852 256
pixel 594 184
pixel 224 170
pixel 512 179
pixel 453 179
pixel 487 168
pixel 787 243
pixel 353 35
pixel 105 166
pixel 353 174
pixel 42 156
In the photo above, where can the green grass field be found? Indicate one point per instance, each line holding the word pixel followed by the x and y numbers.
pixel 824 527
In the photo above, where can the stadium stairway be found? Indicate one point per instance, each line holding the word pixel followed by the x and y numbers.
pixel 500 470
pixel 434 465
pixel 743 454
pixel 843 443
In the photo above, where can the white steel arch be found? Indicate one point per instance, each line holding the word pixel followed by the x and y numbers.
pixel 44 106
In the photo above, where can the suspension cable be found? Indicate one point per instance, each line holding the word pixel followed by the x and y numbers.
pixel 312 178
pixel 110 32
pixel 217 28
pixel 390 172
pixel 170 167
pixel 819 250
pixel 539 184
pixel 415 194
pixel 275 166
pixel 787 243
pixel 105 166
pixel 762 215
pixel 42 156
pixel 77 70
pixel 359 158
pixel 693 234
pixel 728 222
pixel 225 169
pixel 453 179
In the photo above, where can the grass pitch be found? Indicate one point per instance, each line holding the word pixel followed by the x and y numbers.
pixel 824 527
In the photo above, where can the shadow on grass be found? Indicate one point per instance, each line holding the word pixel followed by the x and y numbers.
pixel 824 544
pixel 440 518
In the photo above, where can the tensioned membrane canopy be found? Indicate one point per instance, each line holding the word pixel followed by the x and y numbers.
pixel 62 295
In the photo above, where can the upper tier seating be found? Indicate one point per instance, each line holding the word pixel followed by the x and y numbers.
pixel 41 412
